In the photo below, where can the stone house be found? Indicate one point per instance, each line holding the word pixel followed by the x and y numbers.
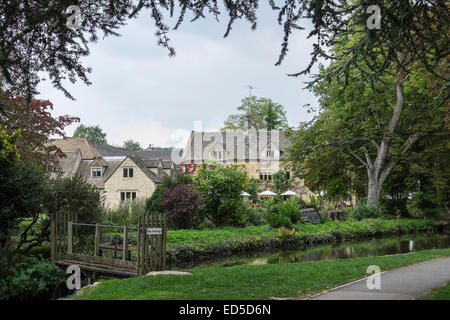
pixel 120 175
pixel 260 151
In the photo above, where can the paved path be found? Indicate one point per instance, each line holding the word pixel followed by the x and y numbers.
pixel 400 284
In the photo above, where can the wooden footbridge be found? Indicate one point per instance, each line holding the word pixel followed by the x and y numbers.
pixel 133 251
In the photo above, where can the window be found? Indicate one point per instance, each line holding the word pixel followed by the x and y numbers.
pixel 127 196
pixel 128 172
pixel 270 154
pixel 96 172
pixel 264 176
pixel 217 155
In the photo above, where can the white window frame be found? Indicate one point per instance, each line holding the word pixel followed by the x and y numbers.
pixel 125 196
pixel 96 169
pixel 270 154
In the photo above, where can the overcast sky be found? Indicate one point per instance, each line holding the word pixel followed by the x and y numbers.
pixel 139 93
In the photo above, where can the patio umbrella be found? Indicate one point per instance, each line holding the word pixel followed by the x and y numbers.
pixel 289 193
pixel 267 193
pixel 245 194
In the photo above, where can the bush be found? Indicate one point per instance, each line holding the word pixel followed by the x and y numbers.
pixel 182 205
pixel 286 234
pixel 364 211
pixel 26 277
pixel 220 188
pixel 395 207
pixel 277 220
pixel 284 213
pixel 153 204
pixel 424 205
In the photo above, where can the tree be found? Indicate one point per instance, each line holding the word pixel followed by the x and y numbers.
pixel 22 196
pixel 154 203
pixel 356 128
pixel 280 181
pixel 36 126
pixel 262 113
pixel 336 190
pixel 182 204
pixel 8 148
pixel 132 145
pixel 221 188
pixel 54 40
pixel 92 133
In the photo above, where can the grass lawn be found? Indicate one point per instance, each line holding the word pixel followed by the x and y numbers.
pixel 252 282
pixel 441 293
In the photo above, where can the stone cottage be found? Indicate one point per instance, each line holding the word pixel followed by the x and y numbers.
pixel 120 175
pixel 260 151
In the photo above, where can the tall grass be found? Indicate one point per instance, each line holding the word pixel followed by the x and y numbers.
pixel 125 214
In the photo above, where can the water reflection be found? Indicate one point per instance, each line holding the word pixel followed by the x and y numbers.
pixel 345 250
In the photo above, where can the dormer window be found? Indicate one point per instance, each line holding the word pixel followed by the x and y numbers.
pixel 96 172
pixel 270 154
pixel 128 172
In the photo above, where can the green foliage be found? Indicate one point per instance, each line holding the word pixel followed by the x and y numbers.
pixel 153 204
pixel 132 145
pixel 92 133
pixel 263 113
pixel 424 205
pixel 8 148
pixel 395 207
pixel 253 216
pixel 336 190
pixel 125 213
pixel 74 195
pixel 25 277
pixel 286 234
pixel 284 213
pixel 364 211
pixel 280 181
pixel 221 189
pixel 22 196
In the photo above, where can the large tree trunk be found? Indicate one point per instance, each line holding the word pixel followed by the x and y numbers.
pixel 379 169
pixel 373 190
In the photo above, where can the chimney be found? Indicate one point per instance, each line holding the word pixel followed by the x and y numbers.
pixel 246 123
pixel 150 147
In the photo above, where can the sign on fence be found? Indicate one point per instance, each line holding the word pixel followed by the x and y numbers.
pixel 154 231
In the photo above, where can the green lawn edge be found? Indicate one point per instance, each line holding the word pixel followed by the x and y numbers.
pixel 441 293
pixel 252 281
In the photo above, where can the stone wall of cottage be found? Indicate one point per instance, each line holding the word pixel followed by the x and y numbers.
pixel 139 183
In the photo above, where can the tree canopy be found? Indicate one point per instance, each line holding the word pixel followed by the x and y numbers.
pixel 41 37
pixel 92 133
pixel 132 145
pixel 262 113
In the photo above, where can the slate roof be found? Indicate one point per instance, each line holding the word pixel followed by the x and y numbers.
pixel 243 144
pixel 82 154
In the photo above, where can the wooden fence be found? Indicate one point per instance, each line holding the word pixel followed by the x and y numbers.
pixel 151 243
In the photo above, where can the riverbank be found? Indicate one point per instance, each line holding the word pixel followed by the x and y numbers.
pixel 197 246
pixel 441 293
pixel 253 282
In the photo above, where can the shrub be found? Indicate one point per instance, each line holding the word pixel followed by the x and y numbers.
pixel 277 220
pixel 252 216
pixel 284 213
pixel 286 234
pixel 395 207
pixel 424 205
pixel 26 277
pixel 182 205
pixel 364 211
pixel 221 189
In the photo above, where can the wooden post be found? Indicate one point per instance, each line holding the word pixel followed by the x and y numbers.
pixel 125 244
pixel 53 238
pixel 69 237
pixel 164 240
pixel 139 243
pixel 97 241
